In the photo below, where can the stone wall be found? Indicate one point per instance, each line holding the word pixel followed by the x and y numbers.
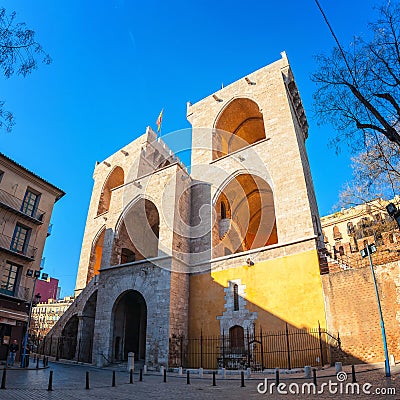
pixel 352 310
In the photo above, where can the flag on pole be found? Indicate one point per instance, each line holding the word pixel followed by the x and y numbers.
pixel 159 120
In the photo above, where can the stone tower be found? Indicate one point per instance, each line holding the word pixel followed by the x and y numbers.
pixel 230 248
pixel 256 229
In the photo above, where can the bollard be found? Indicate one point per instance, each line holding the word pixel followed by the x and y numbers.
pixel 353 374
pixel 3 378
pixel 314 372
pixel 131 361
pixel 161 370
pixel 180 372
pixel 307 371
pixel 165 375
pixel 87 381
pixel 50 387
pixel 144 369
pixel 214 379
pixel 223 372
pixel 140 375
pixel 242 379
pixel 100 361
pixel 338 367
pixel 277 376
pixel 131 376
pixel 37 363
pixel 392 360
pixel 187 377
pixel 113 379
pixel 201 371
pixel 248 373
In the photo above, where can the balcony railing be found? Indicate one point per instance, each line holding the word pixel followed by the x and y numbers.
pixel 19 292
pixel 13 203
pixel 7 245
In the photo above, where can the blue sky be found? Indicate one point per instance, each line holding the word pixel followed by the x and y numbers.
pixel 117 63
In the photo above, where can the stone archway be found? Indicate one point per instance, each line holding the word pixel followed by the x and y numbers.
pixel 129 326
pixel 87 321
pixel 68 341
pixel 241 123
pixel 245 216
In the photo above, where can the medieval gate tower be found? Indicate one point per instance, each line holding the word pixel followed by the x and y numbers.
pixel 232 246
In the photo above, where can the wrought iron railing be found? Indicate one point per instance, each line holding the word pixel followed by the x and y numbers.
pixel 290 348
pixel 16 204
pixel 27 251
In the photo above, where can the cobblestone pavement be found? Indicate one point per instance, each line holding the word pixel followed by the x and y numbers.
pixel 69 384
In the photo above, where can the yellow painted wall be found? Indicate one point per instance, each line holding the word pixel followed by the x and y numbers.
pixel 281 290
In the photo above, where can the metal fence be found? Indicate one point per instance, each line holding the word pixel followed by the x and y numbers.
pixel 291 348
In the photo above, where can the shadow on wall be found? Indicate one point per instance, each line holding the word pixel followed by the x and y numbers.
pixel 243 335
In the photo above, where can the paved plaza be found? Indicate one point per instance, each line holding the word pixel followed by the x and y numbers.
pixel 69 384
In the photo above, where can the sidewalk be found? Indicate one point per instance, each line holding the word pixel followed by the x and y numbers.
pixel 69 384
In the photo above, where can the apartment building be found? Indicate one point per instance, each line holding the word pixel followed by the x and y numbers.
pixel 26 204
pixel 46 314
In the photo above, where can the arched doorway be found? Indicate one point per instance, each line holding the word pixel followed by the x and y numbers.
pixel 236 339
pixel 129 326
pixel 87 329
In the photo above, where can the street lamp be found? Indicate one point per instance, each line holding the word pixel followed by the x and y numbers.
pixel 370 249
pixel 35 275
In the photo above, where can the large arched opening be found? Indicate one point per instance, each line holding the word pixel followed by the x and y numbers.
pixel 240 124
pixel 87 330
pixel 245 216
pixel 115 179
pixel 137 233
pixel 129 326
pixel 68 340
pixel 96 255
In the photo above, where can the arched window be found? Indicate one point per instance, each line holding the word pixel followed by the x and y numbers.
pixel 250 221
pixel 341 250
pixel 137 234
pixel 96 255
pixel 223 210
pixel 336 233
pixel 127 256
pixel 236 339
pixel 235 297
pixel 391 238
pixel 350 228
pixel 115 179
pixel 240 124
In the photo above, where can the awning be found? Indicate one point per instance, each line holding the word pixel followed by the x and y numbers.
pixel 13 315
